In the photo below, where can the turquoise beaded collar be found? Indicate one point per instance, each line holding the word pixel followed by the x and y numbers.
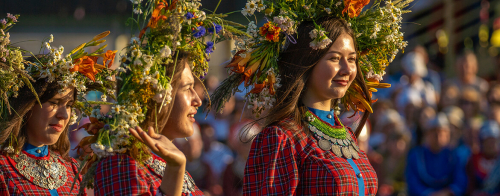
pixel 334 138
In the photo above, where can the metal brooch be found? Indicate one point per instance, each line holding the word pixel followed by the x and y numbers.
pixel 159 168
pixel 49 173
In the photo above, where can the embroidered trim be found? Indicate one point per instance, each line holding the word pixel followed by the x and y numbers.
pixel 158 167
pixel 46 173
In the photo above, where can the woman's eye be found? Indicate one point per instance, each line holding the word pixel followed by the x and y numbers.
pixel 335 58
pixel 352 59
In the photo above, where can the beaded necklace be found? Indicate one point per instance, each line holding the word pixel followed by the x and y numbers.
pixel 332 138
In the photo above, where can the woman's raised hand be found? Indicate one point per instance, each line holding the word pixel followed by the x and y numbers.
pixel 160 145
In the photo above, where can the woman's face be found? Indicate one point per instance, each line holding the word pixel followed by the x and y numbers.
pixel 181 119
pixel 46 123
pixel 334 73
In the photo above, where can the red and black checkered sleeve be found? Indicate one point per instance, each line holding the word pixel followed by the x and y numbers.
pixel 272 166
pixel 120 175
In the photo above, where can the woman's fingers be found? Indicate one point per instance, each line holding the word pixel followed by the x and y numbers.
pixel 151 132
pixel 148 141
pixel 135 134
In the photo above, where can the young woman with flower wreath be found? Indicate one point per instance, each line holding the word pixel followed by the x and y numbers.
pixel 307 58
pixel 155 93
pixel 39 95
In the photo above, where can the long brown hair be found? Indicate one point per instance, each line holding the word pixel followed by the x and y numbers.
pixel 295 65
pixel 159 119
pixel 13 130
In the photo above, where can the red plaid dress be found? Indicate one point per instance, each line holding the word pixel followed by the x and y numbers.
pixel 284 162
pixel 14 183
pixel 122 175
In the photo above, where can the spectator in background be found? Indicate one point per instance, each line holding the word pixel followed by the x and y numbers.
pixel 409 103
pixel 482 163
pixel 432 75
pixel 467 74
pixel 433 168
pixel 456 118
pixel 449 97
pixel 414 70
pixel 200 171
pixel 232 179
pixel 215 153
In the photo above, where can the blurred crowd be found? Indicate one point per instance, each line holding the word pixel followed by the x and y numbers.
pixel 428 135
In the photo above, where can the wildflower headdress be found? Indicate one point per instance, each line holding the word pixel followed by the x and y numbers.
pixel 377 31
pixel 178 27
pixel 77 69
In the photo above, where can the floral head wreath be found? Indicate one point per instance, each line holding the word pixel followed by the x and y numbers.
pixel 377 31
pixel 178 26
pixel 77 69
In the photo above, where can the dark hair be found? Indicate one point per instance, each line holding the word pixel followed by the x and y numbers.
pixel 295 65
pixel 13 122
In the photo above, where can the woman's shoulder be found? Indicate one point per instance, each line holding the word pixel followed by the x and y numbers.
pixel 284 129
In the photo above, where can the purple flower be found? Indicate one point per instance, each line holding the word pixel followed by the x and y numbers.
pixel 189 15
pixel 199 32
pixel 4 60
pixel 210 47
pixel 106 127
pixel 215 27
pixel 3 21
pixel 14 19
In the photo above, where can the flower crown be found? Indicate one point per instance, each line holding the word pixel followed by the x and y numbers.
pixel 377 31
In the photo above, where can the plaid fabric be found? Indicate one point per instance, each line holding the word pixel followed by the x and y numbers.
pixel 122 175
pixel 284 162
pixel 14 183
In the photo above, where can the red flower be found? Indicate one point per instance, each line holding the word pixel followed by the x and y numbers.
pixel 270 31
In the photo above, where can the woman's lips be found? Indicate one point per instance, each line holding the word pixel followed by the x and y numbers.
pixel 191 117
pixel 57 127
pixel 341 82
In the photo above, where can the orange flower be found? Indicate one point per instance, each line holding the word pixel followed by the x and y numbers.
pixel 109 56
pixel 258 88
pixel 271 79
pixel 271 32
pixel 87 66
pixel 155 17
pixel 249 72
pixel 354 7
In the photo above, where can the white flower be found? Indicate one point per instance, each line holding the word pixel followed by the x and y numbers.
pixel 109 78
pixel 73 118
pixel 328 10
pixel 51 38
pixel 313 34
pixel 338 3
pixel 136 1
pixel 103 97
pixel 137 11
pixel 165 52
pixel 134 40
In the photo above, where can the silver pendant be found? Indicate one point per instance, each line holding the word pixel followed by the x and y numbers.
pixel 354 154
pixel 336 150
pixel 49 174
pixel 340 142
pixel 346 152
pixel 325 144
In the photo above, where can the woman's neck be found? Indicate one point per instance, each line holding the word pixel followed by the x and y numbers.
pixel 313 102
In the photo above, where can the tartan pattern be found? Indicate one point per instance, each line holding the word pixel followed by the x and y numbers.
pixel 285 162
pixel 121 175
pixel 14 183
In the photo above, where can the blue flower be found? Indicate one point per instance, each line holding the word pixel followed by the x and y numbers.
pixel 210 47
pixel 215 26
pixel 200 32
pixel 189 15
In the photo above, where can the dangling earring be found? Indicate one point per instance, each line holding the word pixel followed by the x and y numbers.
pixel 337 108
pixel 9 149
